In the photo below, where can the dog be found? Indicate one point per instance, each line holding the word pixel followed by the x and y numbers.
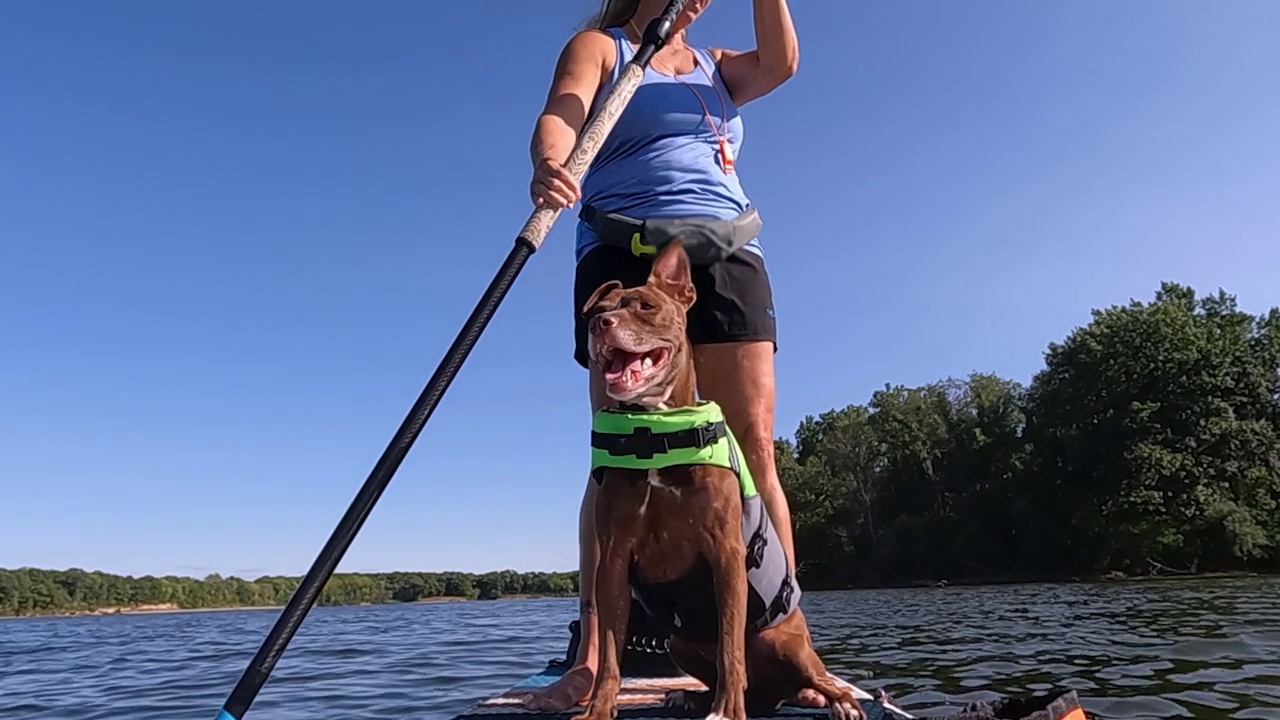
pixel 673 534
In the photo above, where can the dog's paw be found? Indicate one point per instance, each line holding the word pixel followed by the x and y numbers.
pixel 846 709
pixel 728 715
pixel 729 706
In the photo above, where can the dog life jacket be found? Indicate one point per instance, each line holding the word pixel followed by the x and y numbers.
pixel 642 439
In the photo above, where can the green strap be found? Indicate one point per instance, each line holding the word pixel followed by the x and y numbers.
pixel 639 439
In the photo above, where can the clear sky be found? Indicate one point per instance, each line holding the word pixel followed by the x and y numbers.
pixel 236 239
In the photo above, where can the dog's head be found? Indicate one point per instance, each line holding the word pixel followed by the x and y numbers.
pixel 637 335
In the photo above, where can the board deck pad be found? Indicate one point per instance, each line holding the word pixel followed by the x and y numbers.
pixel 641 698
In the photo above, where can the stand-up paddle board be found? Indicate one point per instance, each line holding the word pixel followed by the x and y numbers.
pixel 647 676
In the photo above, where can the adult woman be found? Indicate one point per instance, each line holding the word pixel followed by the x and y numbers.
pixel 671 154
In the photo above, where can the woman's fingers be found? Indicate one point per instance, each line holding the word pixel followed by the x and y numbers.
pixel 556 190
pixel 553 193
pixel 553 185
pixel 561 174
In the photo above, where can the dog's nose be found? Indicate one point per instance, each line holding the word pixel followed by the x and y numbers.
pixel 603 321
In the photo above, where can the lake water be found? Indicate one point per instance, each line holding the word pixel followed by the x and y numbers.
pixel 1205 649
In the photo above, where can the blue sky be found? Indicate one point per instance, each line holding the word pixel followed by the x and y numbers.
pixel 236 239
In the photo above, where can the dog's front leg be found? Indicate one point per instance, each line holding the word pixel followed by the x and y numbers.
pixel 613 608
pixel 727 555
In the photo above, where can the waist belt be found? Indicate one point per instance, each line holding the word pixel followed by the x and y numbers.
pixel 706 240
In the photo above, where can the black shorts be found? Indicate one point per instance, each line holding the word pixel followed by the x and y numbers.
pixel 735 299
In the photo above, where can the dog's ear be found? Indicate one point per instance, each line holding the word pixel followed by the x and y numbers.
pixel 671 274
pixel 600 292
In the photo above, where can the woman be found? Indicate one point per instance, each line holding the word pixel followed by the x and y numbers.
pixel 671 154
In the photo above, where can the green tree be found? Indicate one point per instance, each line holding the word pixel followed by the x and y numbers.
pixel 1148 442
pixel 1157 436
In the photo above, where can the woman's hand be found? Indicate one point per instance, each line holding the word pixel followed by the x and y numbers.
pixel 552 186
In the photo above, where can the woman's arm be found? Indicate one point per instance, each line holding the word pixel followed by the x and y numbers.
pixel 578 75
pixel 754 73
pixel 581 69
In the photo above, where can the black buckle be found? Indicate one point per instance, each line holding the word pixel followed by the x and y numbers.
pixel 755 550
pixel 644 444
pixel 782 601
pixel 708 434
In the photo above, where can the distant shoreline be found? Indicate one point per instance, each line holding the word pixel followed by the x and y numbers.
pixel 1111 578
pixel 1107 579
pixel 174 609
pixel 36 592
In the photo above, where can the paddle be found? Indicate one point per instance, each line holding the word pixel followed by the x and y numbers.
pixel 527 242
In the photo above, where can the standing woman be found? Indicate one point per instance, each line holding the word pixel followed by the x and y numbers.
pixel 670 155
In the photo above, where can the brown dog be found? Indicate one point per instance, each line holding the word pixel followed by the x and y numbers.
pixel 674 533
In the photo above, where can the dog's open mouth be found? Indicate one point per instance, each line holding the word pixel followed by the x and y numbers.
pixel 626 371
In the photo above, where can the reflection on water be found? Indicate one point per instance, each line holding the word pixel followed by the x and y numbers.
pixel 1204 649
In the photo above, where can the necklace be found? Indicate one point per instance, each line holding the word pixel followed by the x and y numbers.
pixel 722 133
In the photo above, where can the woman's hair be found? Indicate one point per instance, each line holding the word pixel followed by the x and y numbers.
pixel 613 13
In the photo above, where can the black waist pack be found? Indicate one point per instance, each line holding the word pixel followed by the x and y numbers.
pixel 706 240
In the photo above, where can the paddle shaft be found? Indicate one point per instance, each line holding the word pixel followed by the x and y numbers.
pixel 527 242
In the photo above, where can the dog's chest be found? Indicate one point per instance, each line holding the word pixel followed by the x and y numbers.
pixel 664 495
pixel 672 510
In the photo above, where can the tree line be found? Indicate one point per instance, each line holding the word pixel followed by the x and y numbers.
pixel 1149 443
pixel 29 591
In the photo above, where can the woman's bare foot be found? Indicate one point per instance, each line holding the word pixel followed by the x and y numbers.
pixel 570 689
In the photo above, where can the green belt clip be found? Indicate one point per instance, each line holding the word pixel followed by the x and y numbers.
pixel 640 248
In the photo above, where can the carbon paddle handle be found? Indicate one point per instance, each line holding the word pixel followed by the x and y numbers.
pixel 527 242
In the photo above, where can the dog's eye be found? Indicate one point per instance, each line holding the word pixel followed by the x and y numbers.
pixel 633 300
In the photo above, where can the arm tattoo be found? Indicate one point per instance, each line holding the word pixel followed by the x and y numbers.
pixel 586 606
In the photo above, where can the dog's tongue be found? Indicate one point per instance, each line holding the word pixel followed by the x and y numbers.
pixel 626 366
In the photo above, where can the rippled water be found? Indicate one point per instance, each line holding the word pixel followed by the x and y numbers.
pixel 1204 649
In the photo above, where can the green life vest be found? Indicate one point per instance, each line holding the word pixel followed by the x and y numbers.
pixel 642 439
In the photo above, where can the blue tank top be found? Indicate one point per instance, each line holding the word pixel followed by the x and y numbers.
pixel 662 158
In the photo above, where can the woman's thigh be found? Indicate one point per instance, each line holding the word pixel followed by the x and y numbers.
pixel 739 376
pixel 734 334
pixel 734 304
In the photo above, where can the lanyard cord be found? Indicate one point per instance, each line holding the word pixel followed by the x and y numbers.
pixel 722 134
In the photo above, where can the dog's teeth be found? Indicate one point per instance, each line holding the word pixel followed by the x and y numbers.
pixel 648 362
